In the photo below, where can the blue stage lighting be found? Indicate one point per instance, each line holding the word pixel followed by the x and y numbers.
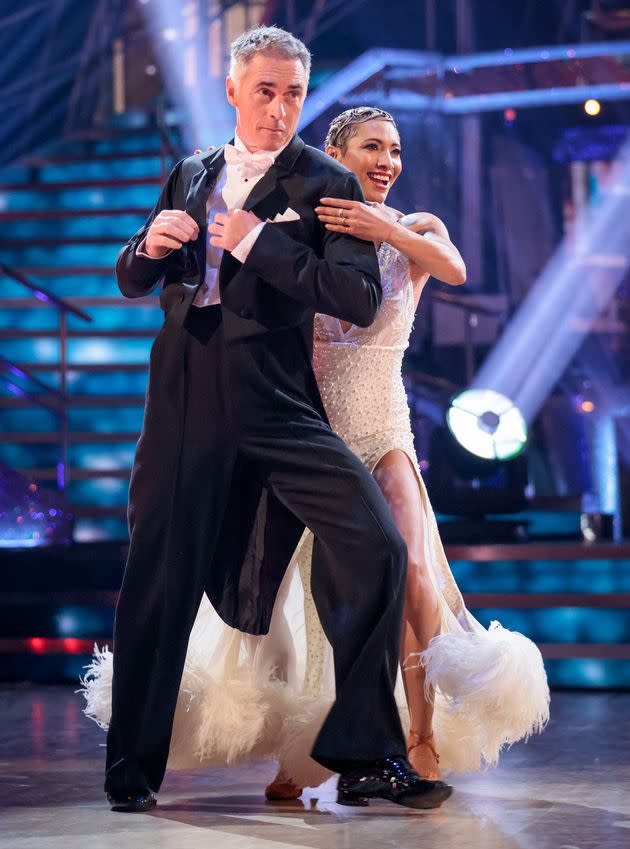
pixel 563 304
pixel 190 51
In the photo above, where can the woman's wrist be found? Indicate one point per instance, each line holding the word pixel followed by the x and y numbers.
pixel 391 232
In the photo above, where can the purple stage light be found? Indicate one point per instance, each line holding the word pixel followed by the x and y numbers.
pixel 31 515
pixel 15 390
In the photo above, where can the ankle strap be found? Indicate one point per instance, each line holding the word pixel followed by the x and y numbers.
pixel 420 740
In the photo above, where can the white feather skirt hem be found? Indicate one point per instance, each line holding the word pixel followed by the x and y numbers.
pixel 491 691
pixel 216 721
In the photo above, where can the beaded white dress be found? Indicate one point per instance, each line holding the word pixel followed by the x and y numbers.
pixel 244 696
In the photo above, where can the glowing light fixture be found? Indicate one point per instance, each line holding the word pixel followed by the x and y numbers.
pixel 487 423
pixel 592 106
pixel 188 44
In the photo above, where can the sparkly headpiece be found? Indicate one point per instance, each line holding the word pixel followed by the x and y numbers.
pixel 340 129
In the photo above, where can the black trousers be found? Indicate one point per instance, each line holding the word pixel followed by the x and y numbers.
pixel 175 489
pixel 358 573
pixel 357 580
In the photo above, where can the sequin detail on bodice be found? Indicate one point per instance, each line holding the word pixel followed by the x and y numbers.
pixel 359 372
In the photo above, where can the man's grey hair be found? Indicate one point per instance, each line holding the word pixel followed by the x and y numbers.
pixel 271 40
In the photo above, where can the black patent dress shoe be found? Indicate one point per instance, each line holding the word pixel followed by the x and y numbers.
pixel 132 803
pixel 393 779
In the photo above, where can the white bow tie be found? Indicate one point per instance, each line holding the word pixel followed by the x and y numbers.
pixel 249 164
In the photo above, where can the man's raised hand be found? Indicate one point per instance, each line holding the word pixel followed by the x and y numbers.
pixel 230 228
pixel 169 230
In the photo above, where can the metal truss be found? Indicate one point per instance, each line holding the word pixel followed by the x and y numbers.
pixel 481 82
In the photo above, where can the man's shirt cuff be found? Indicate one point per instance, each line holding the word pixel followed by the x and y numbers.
pixel 241 251
pixel 143 253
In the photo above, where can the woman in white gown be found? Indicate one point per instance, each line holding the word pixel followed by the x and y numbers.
pixel 468 691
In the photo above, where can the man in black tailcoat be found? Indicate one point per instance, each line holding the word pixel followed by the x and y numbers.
pixel 236 455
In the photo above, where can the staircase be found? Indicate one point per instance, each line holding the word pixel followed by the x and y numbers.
pixel 65 330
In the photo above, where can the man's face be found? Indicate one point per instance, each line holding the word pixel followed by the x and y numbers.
pixel 268 94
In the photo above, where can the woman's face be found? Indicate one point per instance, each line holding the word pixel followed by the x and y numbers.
pixel 374 156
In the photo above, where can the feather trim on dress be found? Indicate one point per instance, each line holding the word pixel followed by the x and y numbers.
pixel 491 691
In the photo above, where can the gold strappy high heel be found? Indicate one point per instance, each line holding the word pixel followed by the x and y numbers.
pixel 424 770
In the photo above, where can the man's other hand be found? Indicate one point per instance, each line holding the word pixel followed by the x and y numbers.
pixel 169 230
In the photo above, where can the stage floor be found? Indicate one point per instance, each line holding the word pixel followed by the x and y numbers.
pixel 568 789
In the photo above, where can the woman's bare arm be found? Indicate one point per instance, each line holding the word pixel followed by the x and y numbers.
pixel 424 239
pixel 420 236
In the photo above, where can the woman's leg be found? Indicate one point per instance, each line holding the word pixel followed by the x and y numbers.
pixel 397 479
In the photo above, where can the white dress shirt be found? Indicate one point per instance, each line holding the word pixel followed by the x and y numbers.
pixel 230 191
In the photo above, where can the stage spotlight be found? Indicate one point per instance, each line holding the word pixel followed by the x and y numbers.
pixel 464 484
pixel 592 107
pixel 188 45
pixel 487 423
pixel 563 304
pixel 509 116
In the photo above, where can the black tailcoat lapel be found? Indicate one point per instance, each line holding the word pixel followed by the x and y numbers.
pixel 197 198
pixel 195 204
pixel 268 195
pixel 267 198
